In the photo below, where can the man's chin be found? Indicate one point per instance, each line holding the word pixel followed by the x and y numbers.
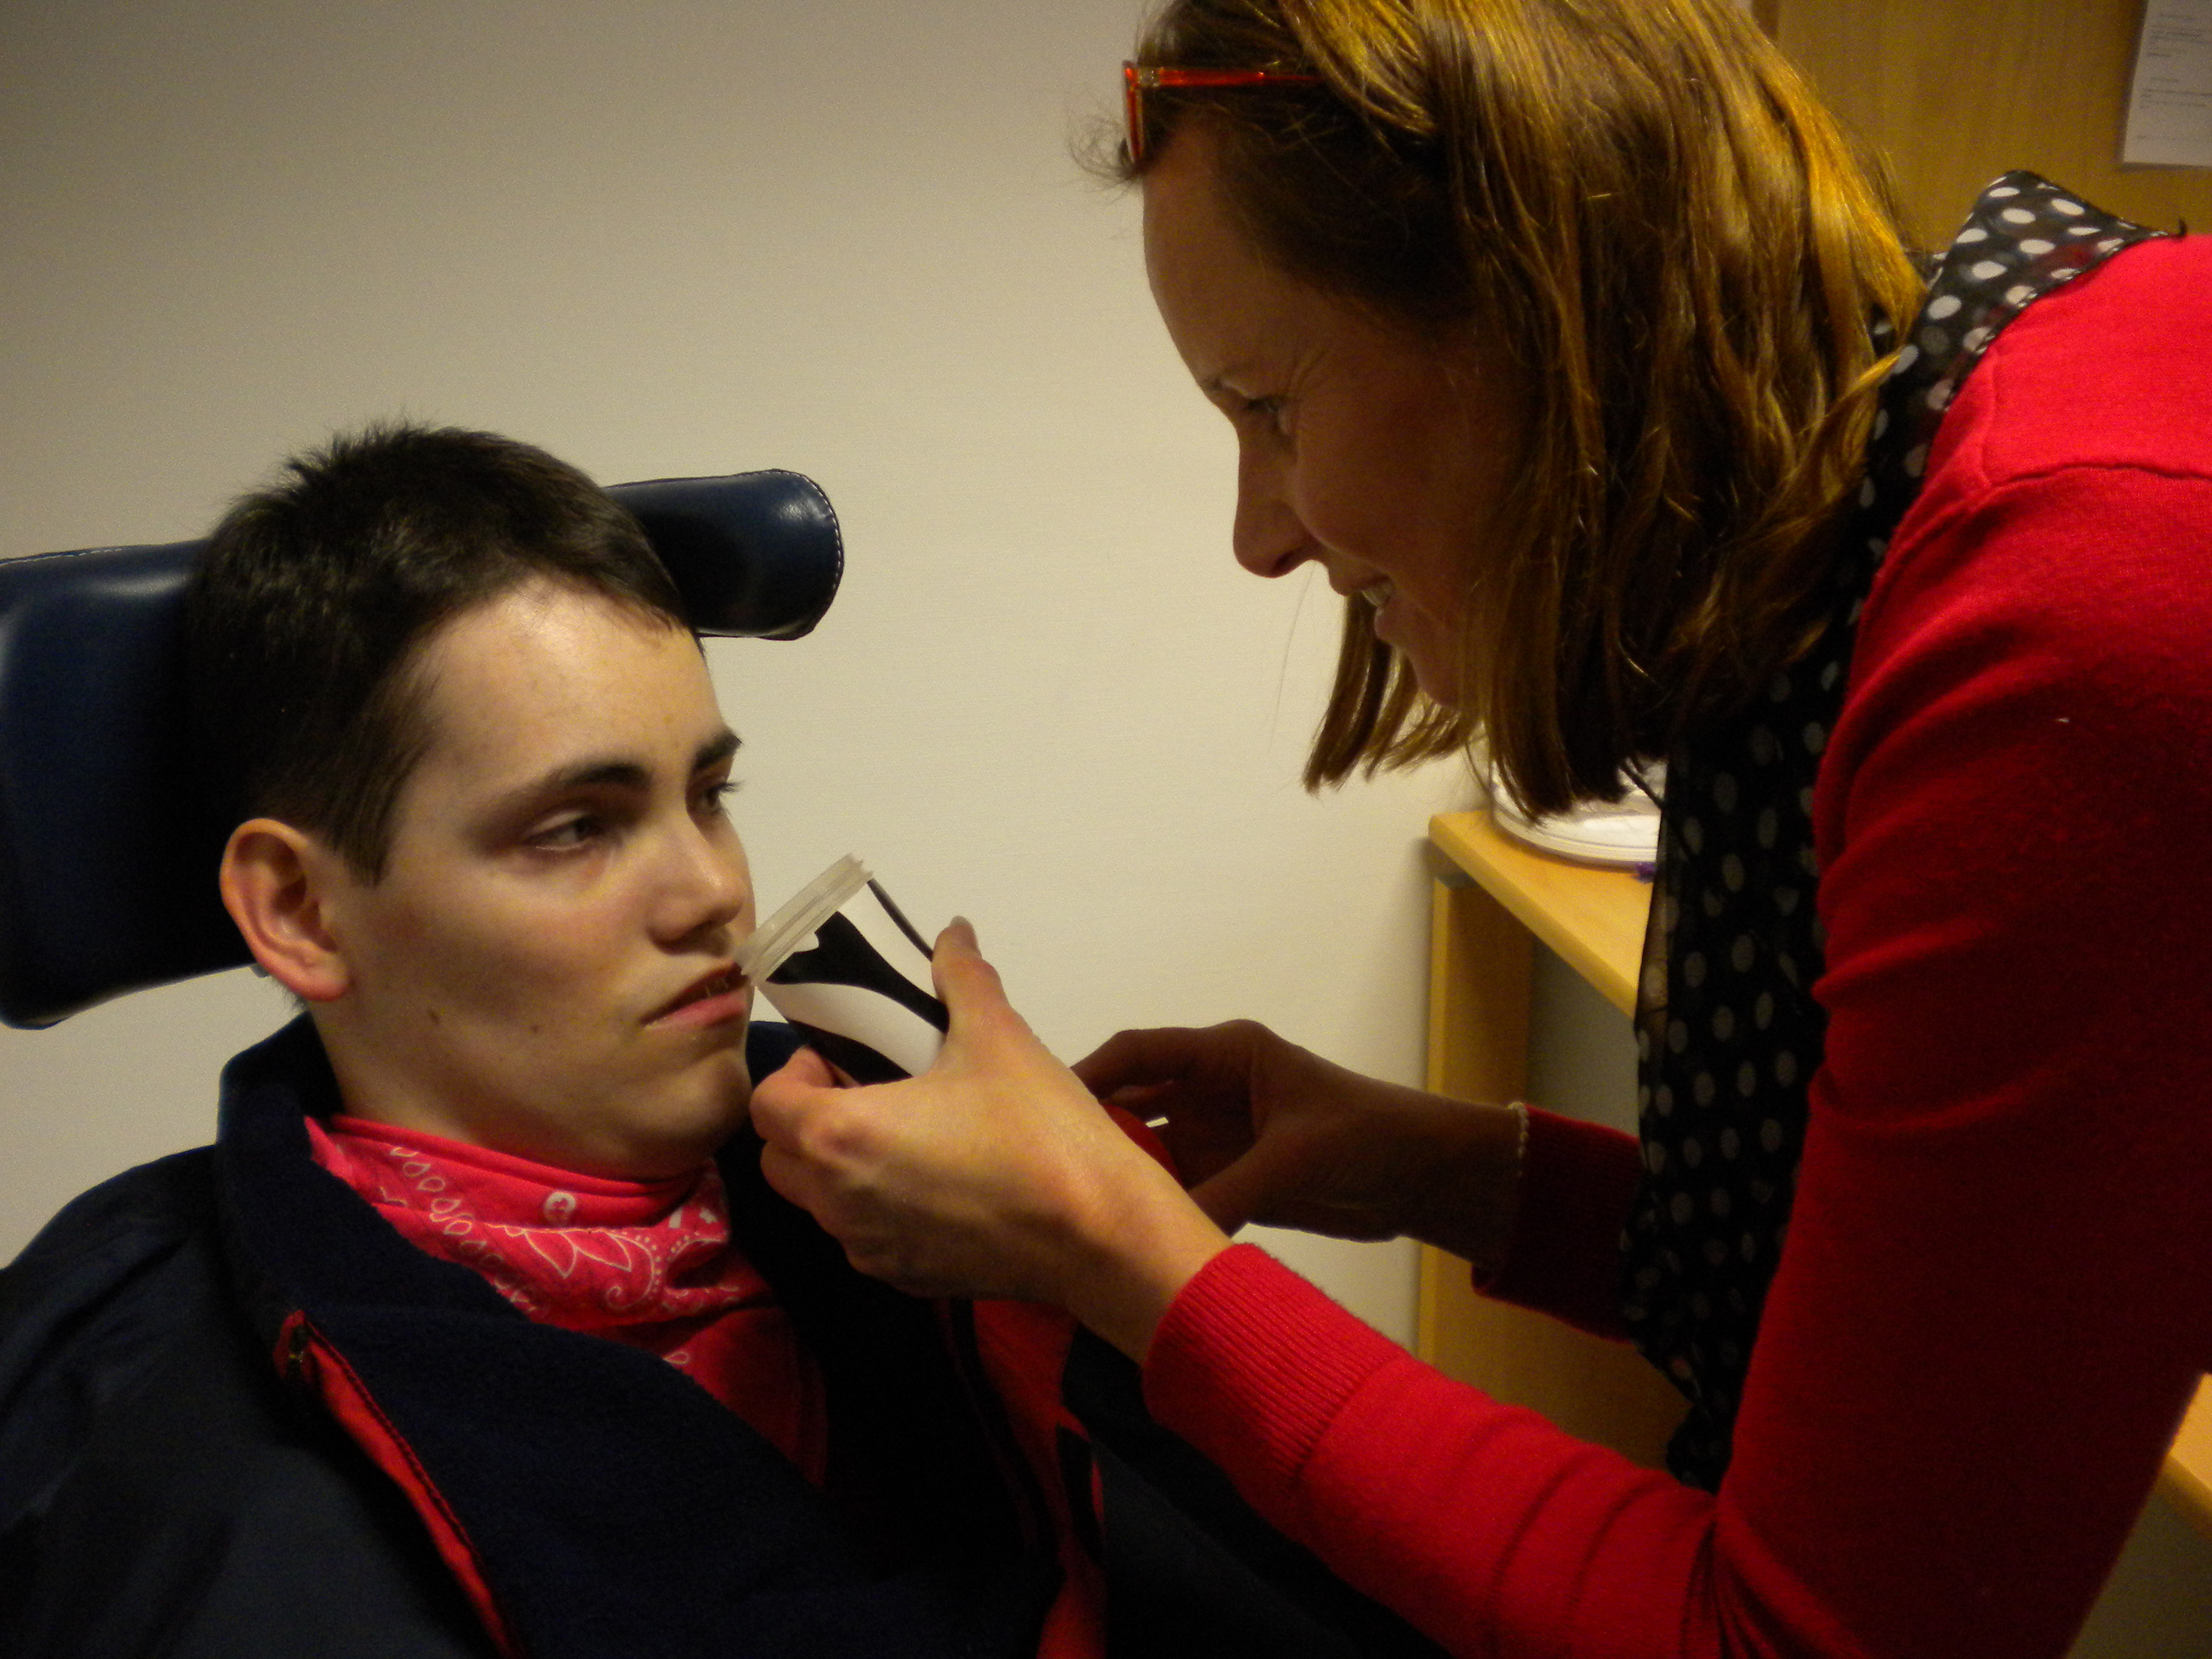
pixel 731 1104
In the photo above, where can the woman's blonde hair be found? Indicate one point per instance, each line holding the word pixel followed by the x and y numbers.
pixel 1642 205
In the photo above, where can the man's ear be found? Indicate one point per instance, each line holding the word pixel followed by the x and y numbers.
pixel 276 884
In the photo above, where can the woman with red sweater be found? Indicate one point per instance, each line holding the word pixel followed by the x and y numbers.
pixel 1574 345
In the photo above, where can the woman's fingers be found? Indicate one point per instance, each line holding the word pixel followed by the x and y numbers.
pixel 793 1179
pixel 993 1173
pixel 828 1149
pixel 1237 1192
pixel 1140 1058
pixel 792 1106
pixel 783 1099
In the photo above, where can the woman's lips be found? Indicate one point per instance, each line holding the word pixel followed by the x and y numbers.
pixel 1384 612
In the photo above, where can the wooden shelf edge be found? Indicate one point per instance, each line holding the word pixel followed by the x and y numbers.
pixel 2185 1480
pixel 1576 909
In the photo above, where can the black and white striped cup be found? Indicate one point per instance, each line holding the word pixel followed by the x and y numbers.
pixel 854 978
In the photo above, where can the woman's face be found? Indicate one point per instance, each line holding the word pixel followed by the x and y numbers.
pixel 1378 452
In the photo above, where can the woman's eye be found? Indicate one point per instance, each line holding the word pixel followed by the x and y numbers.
pixel 1264 419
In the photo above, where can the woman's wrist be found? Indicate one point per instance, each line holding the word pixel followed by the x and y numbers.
pixel 1146 1245
pixel 1466 1199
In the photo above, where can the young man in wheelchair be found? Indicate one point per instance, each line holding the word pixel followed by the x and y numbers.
pixel 477 1330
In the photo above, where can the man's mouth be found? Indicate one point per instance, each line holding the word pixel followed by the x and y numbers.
pixel 722 984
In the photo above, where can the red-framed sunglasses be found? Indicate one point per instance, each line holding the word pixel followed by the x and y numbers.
pixel 1137 79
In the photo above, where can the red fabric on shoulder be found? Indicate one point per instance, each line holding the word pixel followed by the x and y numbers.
pixel 303 1356
pixel 1025 1349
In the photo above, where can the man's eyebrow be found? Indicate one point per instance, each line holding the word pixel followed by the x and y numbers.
pixel 614 773
pixel 716 749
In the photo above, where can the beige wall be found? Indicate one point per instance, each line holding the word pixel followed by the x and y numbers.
pixel 679 237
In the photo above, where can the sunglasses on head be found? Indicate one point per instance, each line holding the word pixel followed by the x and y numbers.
pixel 1137 79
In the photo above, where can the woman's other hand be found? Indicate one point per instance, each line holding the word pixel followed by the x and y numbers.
pixel 995 1173
pixel 1265 1131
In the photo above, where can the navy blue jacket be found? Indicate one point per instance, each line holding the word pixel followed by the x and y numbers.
pixel 239 1414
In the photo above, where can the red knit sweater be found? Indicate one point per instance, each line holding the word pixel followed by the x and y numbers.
pixel 1995 1298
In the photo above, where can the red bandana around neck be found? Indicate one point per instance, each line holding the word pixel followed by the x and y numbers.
pixel 646 1263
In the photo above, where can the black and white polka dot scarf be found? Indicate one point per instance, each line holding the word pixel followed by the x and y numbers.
pixel 1728 1035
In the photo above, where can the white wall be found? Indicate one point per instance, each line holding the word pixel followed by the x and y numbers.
pixel 674 237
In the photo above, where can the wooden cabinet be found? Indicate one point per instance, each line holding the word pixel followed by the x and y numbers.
pixel 1950 95
pixel 1493 899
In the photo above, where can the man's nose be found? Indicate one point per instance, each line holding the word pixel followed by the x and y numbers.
pixel 1269 538
pixel 705 883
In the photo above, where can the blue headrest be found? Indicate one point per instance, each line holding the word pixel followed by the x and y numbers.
pixel 106 865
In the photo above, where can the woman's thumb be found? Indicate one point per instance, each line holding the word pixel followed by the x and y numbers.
pixel 783 1095
pixel 1237 1193
pixel 970 986
pixel 807 1066
pixel 958 968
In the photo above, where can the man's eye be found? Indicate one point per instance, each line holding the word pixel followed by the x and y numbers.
pixel 579 831
pixel 714 798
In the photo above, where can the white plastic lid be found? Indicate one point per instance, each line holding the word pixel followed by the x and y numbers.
pixel 794 924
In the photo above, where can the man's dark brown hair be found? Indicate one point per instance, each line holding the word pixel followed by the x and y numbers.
pixel 304 618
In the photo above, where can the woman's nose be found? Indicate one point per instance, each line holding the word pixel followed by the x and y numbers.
pixel 1268 537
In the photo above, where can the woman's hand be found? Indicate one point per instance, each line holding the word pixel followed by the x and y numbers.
pixel 1265 1131
pixel 994 1173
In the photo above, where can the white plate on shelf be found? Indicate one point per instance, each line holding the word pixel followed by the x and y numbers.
pixel 1620 833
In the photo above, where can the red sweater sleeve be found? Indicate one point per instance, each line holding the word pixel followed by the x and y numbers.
pixel 1995 1296
pixel 1563 1256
